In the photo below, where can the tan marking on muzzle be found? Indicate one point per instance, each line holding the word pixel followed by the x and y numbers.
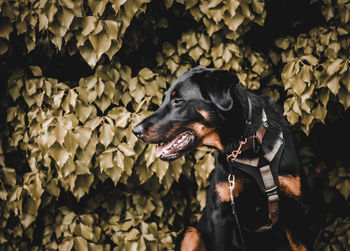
pixel 192 241
pixel 290 185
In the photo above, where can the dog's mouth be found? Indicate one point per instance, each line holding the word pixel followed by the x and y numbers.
pixel 176 147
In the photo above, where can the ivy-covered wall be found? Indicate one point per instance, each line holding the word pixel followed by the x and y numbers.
pixel 75 76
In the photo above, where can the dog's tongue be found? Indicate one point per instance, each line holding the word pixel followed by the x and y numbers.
pixel 176 145
pixel 166 148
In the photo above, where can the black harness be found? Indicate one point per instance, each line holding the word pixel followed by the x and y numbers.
pixel 265 174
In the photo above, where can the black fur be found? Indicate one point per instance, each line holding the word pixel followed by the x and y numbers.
pixel 218 94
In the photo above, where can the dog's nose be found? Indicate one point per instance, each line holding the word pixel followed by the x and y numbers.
pixel 138 130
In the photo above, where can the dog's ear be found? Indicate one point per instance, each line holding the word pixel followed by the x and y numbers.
pixel 216 86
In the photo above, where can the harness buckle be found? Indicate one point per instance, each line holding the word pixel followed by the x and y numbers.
pixel 233 156
pixel 231 180
pixel 271 191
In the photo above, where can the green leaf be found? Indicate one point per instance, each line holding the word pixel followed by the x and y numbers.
pixel 236 21
pixel 146 73
pixel 97 7
pixel 83 111
pixel 126 149
pixel 320 113
pixel 9 176
pixel 168 3
pixel 36 71
pixel 232 6
pixel 307 119
pixel 195 53
pixel 334 66
pixel 292 117
pixel 106 160
pixel 160 167
pixel 333 84
pixel 305 74
pixel 30 86
pixel 53 188
pixel 297 85
pixel 120 116
pixel 344 99
pixel 345 78
pixel 60 132
pixel 59 154
pixel 11 113
pixel 310 59
pixel 83 135
pixel 107 134
pixel 112 29
pixel 57 29
pixel 114 174
pixel 103 102
pixel 66 244
pixel 258 6
pixel 94 122
pixel 89 55
pixel 324 96
pixel 65 17
pixel 119 159
pixel 101 43
pixel 86 232
pixel 283 43
pixel 5 29
pixel 80 244
pixel 132 235
pixel 88 25
pixel 35 187
pixel 344 188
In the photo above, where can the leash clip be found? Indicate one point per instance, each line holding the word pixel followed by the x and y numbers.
pixel 233 156
pixel 231 180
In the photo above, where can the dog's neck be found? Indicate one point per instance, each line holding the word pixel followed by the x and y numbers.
pixel 236 128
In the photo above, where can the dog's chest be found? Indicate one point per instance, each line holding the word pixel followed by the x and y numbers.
pixel 250 204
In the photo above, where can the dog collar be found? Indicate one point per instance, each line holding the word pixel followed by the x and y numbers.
pixel 251 142
pixel 248 121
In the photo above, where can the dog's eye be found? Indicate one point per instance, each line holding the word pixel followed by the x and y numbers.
pixel 177 102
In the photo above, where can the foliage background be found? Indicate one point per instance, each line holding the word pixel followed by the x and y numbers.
pixel 77 75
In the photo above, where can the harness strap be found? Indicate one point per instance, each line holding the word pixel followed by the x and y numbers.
pixel 265 176
pixel 272 197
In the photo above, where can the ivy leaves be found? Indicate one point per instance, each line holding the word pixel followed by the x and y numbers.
pixel 95 35
pixel 95 185
pixel 310 82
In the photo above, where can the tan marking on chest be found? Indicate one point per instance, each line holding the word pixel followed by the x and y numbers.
pixel 290 185
pixel 223 189
pixel 295 246
pixel 192 241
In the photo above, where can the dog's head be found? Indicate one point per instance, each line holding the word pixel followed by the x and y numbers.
pixel 190 113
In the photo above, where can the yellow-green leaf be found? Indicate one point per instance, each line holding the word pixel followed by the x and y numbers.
pixel 88 25
pixel 107 133
pixel 101 43
pixel 59 154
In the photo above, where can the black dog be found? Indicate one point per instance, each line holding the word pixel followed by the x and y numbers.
pixel 255 190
